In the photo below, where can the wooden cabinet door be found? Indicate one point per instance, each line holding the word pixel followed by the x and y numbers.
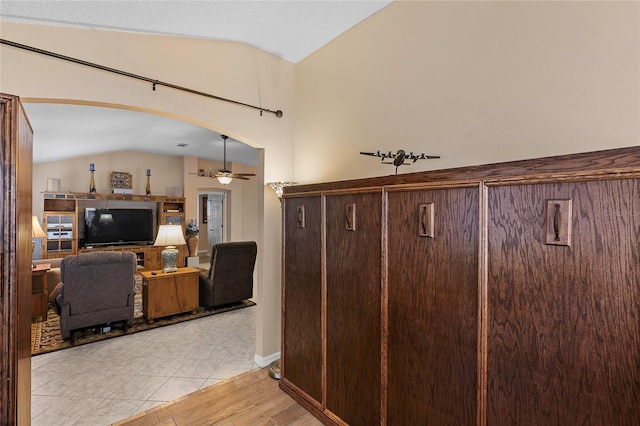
pixel 61 234
pixel 432 306
pixel 169 294
pixel 302 361
pixel 152 259
pixel 564 322
pixel 353 311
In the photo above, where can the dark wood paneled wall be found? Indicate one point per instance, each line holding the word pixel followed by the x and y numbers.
pixel 433 306
pixel 353 268
pixel 508 311
pixel 564 324
pixel 302 361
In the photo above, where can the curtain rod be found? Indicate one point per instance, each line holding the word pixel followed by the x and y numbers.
pixel 154 82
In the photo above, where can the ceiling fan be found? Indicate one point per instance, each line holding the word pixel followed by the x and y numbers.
pixel 224 175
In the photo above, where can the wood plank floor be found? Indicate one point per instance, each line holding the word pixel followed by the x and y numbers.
pixel 252 398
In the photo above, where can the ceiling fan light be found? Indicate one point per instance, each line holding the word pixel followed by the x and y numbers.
pixel 225 180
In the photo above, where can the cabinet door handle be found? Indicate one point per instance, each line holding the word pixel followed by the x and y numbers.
pixel 350 217
pixel 557 218
pixel 425 220
pixel 558 222
pixel 300 217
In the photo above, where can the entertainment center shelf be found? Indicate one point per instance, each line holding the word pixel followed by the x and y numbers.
pixel 148 257
pixel 63 218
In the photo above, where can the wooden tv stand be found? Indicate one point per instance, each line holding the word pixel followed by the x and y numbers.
pixel 148 257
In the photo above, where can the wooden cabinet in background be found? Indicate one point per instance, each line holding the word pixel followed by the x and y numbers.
pixel 63 216
pixel 61 234
pixel 171 212
pixel 147 257
pixel 169 293
pixel 488 295
pixel 39 291
pixel 60 221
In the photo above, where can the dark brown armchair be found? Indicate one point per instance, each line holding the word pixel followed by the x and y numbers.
pixel 98 288
pixel 230 275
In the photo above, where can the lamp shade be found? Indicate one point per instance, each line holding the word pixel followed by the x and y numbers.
pixel 36 229
pixel 170 235
pixel 279 186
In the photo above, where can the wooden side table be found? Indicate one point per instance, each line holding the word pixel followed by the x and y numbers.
pixel 40 294
pixel 169 293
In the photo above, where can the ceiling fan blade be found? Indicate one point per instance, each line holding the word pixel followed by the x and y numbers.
pixel 224 172
pixel 205 174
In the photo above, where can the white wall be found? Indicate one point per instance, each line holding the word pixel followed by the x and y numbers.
pixel 475 82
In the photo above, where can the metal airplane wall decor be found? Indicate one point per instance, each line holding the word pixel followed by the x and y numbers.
pixel 400 157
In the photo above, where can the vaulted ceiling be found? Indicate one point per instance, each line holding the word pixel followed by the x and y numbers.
pixel 290 30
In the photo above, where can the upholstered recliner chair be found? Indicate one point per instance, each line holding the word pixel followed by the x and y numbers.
pixel 98 288
pixel 230 276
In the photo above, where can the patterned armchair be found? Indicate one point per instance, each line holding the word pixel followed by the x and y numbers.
pixel 98 288
pixel 230 276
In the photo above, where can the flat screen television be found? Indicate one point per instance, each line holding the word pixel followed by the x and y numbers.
pixel 106 227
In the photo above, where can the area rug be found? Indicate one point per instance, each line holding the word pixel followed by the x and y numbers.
pixel 45 335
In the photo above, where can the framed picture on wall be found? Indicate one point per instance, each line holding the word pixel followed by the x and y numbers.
pixel 121 183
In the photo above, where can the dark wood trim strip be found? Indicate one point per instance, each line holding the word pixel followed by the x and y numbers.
pixel 384 312
pixel 323 305
pixel 606 162
pixel 483 303
pixel 306 401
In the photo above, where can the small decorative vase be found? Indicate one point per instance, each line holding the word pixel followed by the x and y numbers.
pixel 192 245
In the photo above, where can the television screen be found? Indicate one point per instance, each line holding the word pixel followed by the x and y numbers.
pixel 118 226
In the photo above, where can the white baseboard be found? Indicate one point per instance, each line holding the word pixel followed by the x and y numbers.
pixel 267 360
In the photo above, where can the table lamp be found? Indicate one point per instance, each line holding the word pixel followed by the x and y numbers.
pixel 36 232
pixel 170 236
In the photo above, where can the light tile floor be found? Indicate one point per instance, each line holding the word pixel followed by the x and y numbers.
pixel 102 382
